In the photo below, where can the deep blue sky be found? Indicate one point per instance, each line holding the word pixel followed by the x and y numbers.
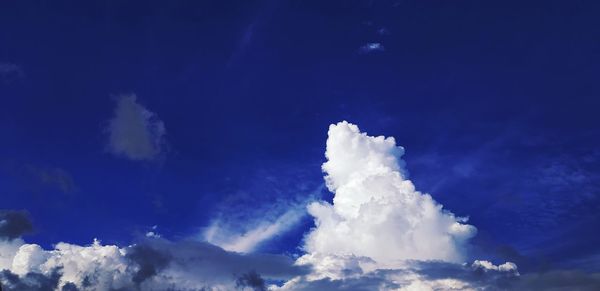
pixel 496 103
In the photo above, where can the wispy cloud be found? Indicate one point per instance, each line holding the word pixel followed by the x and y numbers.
pixel 252 234
pixel 245 230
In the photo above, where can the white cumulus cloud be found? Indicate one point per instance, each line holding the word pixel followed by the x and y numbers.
pixel 376 211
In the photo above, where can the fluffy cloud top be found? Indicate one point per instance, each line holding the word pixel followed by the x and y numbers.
pixel 134 131
pixel 377 217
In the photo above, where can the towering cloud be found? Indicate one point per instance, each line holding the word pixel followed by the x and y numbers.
pixel 134 131
pixel 377 217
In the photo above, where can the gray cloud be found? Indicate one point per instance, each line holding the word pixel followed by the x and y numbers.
pixel 160 263
pixel 252 280
pixel 30 281
pixel 209 262
pixel 149 260
pixel 135 132
pixel 13 224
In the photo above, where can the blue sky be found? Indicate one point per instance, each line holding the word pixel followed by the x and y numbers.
pixel 496 104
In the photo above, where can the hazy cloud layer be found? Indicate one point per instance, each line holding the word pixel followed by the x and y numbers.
pixel 134 131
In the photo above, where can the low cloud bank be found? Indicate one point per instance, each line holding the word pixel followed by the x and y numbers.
pixel 152 264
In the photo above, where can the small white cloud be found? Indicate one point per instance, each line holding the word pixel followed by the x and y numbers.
pixel 134 131
pixel 152 234
pixel 371 47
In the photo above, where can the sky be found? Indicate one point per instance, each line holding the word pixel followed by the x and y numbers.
pixel 299 145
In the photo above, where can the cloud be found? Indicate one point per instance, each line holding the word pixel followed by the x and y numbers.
pixel 13 224
pixel 29 281
pixel 251 280
pixel 151 264
pixel 249 237
pixel 379 233
pixel 376 211
pixel 149 260
pixel 416 275
pixel 135 132
pixel 240 229
pixel 371 48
